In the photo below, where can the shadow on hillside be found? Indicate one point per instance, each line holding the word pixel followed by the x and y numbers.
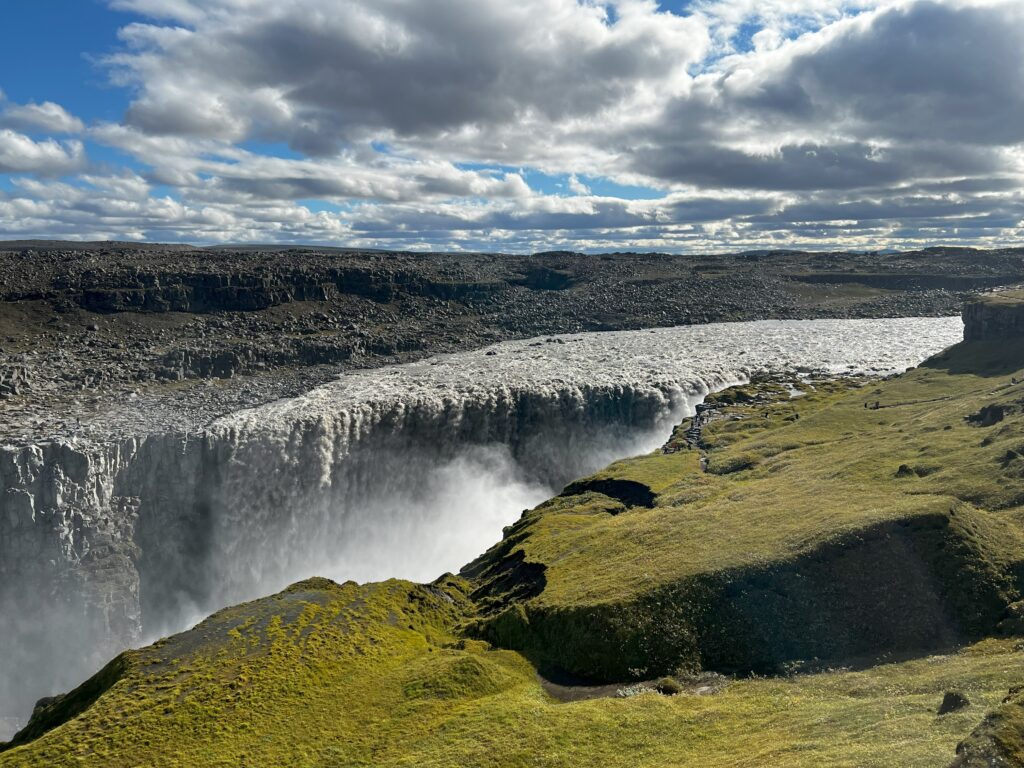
pixel 54 711
pixel 981 358
pixel 889 591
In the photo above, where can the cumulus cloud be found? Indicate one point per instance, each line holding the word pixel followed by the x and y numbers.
pixel 922 90
pixel 21 154
pixel 321 73
pixel 48 117
pixel 924 71
pixel 123 207
pixel 743 123
pixel 576 186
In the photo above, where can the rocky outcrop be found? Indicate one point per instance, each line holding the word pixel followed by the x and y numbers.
pixel 912 281
pixel 204 291
pixel 996 742
pixel 14 379
pixel 994 317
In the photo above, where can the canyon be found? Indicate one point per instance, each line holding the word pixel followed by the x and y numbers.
pixel 406 470
pixel 186 428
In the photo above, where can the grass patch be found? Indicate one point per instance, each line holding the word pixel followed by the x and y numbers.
pixel 341 675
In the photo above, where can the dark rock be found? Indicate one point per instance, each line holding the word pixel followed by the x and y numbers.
pixel 953 701
pixel 1013 624
pixel 994 317
pixel 628 492
pixel 987 416
pixel 45 702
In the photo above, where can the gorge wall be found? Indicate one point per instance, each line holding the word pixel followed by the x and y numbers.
pixel 400 471
pixel 104 545
pixel 994 316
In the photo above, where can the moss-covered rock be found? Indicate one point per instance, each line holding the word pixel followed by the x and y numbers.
pixel 999 740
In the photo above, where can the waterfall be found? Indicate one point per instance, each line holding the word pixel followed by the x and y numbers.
pixel 402 471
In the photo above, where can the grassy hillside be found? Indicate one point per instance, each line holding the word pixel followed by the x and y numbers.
pixel 839 567
pixel 859 519
pixel 328 675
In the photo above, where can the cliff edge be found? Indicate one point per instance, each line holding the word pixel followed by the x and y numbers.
pixel 994 316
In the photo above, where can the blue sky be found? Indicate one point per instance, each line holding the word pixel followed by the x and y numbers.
pixel 682 125
pixel 53 52
pixel 46 55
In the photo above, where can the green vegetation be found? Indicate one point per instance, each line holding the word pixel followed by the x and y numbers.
pixel 999 740
pixel 804 539
pixel 328 676
pixel 846 558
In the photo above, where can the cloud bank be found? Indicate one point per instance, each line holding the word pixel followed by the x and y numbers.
pixel 483 124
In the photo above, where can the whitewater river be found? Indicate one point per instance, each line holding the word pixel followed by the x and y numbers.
pixel 406 471
pixel 442 453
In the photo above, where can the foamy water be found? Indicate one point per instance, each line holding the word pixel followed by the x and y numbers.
pixel 717 352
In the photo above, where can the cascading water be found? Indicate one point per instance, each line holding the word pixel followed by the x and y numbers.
pixel 401 471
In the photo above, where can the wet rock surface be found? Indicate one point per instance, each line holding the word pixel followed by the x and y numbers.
pixel 188 334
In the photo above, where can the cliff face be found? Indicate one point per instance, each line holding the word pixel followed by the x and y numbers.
pixel 994 317
pixel 70 551
pixel 203 292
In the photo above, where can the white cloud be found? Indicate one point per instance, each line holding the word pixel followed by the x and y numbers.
pixel 319 74
pixel 21 154
pixel 577 187
pixel 179 10
pixel 759 122
pixel 47 116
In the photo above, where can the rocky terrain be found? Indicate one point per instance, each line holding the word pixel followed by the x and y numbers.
pixel 196 333
pixel 998 315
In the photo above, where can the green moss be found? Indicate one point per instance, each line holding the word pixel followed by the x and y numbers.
pixel 736 462
pixel 373 676
pixel 999 740
pixel 454 675
pixel 788 547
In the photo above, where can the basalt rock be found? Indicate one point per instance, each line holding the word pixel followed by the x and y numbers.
pixel 994 317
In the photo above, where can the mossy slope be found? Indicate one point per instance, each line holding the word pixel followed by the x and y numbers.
pixel 824 528
pixel 331 676
pixel 259 681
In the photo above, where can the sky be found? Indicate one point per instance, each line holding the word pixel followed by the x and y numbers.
pixel 489 125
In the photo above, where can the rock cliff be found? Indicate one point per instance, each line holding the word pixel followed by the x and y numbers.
pixel 994 316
